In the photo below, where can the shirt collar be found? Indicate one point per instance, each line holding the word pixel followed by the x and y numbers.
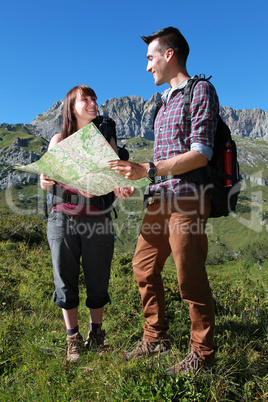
pixel 166 95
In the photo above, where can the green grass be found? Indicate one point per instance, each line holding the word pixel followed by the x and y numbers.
pixel 30 141
pixel 140 149
pixel 226 235
pixel 32 333
pixel 24 199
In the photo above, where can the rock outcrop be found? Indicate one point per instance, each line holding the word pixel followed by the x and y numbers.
pixel 246 122
pixel 48 123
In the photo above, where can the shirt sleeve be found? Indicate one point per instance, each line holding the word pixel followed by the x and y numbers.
pixel 204 110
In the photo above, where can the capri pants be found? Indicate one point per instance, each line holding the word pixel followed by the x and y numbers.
pixel 90 239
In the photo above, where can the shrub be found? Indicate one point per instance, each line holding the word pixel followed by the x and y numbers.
pixel 17 227
pixel 256 252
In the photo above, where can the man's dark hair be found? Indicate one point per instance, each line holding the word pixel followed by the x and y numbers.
pixel 171 38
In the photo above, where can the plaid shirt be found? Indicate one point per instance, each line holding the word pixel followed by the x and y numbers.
pixel 175 135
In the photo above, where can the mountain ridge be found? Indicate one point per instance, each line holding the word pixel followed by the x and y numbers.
pixel 134 117
pixel 25 143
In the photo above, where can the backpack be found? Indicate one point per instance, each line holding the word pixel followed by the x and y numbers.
pixel 220 177
pixel 106 125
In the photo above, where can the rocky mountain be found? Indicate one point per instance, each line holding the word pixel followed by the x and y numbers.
pixel 13 155
pixel 246 122
pixel 48 123
pixel 134 117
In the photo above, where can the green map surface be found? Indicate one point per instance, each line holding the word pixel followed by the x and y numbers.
pixel 80 161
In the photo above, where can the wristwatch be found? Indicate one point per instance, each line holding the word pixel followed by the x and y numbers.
pixel 152 171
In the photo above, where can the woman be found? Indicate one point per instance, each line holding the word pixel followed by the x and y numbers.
pixel 74 231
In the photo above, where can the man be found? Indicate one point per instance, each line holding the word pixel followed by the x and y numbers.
pixel 177 213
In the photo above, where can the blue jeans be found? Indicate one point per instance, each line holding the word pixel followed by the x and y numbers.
pixel 71 238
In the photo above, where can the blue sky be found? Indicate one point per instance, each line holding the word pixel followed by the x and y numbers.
pixel 48 47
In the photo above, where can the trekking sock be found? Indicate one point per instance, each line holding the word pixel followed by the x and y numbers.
pixel 73 331
pixel 94 327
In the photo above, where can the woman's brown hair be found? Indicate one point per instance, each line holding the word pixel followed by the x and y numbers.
pixel 69 123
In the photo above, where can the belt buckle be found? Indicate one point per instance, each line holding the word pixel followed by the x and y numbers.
pixel 74 199
pixel 156 198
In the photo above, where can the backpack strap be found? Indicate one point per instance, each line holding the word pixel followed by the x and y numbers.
pixel 104 129
pixel 106 125
pixel 188 95
pixel 158 106
pixel 189 90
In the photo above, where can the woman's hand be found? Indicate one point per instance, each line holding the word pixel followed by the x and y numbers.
pixel 124 192
pixel 45 182
pixel 87 195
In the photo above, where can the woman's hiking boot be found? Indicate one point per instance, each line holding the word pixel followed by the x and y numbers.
pixel 95 340
pixel 75 346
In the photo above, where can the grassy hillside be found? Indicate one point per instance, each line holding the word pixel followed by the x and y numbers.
pixel 257 149
pixel 226 235
pixel 13 131
pixel 32 334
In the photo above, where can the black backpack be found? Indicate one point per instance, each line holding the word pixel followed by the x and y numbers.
pixel 213 176
pixel 106 125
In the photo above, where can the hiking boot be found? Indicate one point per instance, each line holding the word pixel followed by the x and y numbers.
pixel 149 348
pixel 75 345
pixel 96 340
pixel 192 362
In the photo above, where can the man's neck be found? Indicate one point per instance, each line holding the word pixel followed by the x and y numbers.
pixel 178 79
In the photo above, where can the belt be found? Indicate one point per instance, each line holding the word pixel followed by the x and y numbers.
pixel 159 179
pixel 156 180
pixel 76 199
pixel 59 197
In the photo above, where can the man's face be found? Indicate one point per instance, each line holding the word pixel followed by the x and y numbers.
pixel 157 63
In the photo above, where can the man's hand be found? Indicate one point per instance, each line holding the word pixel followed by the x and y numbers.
pixel 130 170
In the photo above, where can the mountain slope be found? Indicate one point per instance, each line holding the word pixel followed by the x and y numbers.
pixel 134 117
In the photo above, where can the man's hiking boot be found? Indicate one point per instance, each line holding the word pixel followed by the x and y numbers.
pixel 95 340
pixel 149 348
pixel 75 345
pixel 191 363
